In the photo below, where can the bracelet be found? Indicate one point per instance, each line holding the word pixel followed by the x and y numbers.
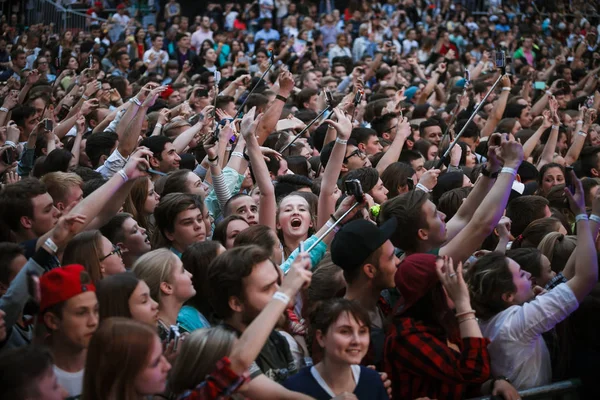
pixel 506 89
pixel 489 174
pixel 158 125
pixel 333 218
pixel 468 319
pixel 508 170
pixel 3 109
pixel 237 154
pixel 86 98
pixel 51 245
pixel 284 298
pixel 341 141
pixel 465 313
pixel 329 224
pixel 595 218
pixel 280 97
pixel 582 133
pixel 214 159
pixel 579 122
pixel 549 93
pixel 555 127
pixel 422 187
pixel 135 100
pixel 581 217
pixel 10 143
pixel 123 175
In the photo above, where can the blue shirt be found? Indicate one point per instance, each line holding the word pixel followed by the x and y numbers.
pixel 309 382
pixel 191 319
pixel 272 34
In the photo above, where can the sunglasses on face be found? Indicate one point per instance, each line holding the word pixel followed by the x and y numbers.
pixel 116 250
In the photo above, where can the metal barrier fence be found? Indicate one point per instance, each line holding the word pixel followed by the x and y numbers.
pixel 63 18
pixel 564 390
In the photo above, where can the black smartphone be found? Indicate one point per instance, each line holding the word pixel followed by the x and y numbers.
pixel 500 59
pixel 48 125
pixel 9 156
pixel 201 93
pixel 358 97
pixel 329 97
pixel 354 188
pixel 569 180
pixel 174 336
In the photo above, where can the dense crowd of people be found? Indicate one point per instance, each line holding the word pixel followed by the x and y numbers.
pixel 281 200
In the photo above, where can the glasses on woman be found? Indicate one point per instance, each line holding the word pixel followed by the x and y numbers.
pixel 356 152
pixel 116 250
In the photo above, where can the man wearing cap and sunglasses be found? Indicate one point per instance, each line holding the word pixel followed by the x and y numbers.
pixel 367 256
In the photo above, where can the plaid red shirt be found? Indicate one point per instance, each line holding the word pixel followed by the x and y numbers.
pixel 220 384
pixel 420 363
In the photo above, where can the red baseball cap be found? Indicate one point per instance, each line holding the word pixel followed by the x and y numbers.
pixel 415 277
pixel 63 283
pixel 121 6
pixel 167 92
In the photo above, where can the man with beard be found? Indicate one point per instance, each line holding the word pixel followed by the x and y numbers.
pixel 242 281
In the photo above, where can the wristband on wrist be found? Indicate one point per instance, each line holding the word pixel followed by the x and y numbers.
pixel 582 133
pixel 468 319
pixel 595 218
pixel 280 97
pixel 3 109
pixel 10 143
pixel 581 217
pixel 158 125
pixel 284 298
pixel 329 224
pixel 549 93
pixel 51 245
pixel 213 159
pixel 84 97
pixel 237 154
pixel 341 141
pixel 579 122
pixel 508 170
pixel 555 127
pixel 422 187
pixel 488 174
pixel 123 175
pixel 506 89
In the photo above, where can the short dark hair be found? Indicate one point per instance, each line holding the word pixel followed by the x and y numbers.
pixel 100 144
pixel 57 160
pixel 304 96
pixel 378 124
pixel 20 368
pixel 156 144
pixel 409 156
pixel 286 184
pixel 524 210
pixel 471 131
pixel 428 123
pixel 513 110
pixel 22 112
pixel 226 210
pixel 256 235
pixel 226 276
pixel 15 201
pixel 169 207
pixel 407 209
pixel 488 279
pixel 328 311
pixel 222 101
pixel 176 182
pixel 113 229
pixel 155 36
pixel 395 175
pixel 530 259
pixel 588 160
pixel 362 135
pixel 368 177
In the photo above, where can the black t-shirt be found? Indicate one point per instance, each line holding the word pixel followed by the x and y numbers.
pixel 275 359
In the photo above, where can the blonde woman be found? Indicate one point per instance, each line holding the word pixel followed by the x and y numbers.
pixel 170 286
pixel 96 253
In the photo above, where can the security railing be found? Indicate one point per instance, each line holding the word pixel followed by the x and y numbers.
pixel 63 18
pixel 556 391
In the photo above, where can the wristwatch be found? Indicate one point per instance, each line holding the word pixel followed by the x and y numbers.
pixel 486 172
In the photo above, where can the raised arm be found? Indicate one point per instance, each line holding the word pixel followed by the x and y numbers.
pixel 77 142
pixel 489 212
pixel 403 131
pixel 269 121
pixel 343 127
pixel 432 83
pixel 496 115
pixel 583 124
pixel 268 206
pixel 585 274
pixel 482 187
pixel 550 146
pixel 533 141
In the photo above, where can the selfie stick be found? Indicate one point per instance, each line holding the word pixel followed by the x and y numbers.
pixel 477 108
pixel 241 109
pixel 336 223
pixel 311 123
pixel 455 111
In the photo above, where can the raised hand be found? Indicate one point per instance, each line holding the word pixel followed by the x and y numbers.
pixel 249 124
pixel 429 179
pixel 343 125
pixel 298 276
pixel 577 199
pixel 453 282
pixel 66 228
pixel 138 163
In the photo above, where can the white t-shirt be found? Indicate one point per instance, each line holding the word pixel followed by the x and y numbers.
pixel 159 54
pixel 71 381
pixel 517 349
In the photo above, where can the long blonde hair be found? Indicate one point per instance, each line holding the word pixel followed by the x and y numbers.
pixel 154 268
pixel 558 248
pixel 198 357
